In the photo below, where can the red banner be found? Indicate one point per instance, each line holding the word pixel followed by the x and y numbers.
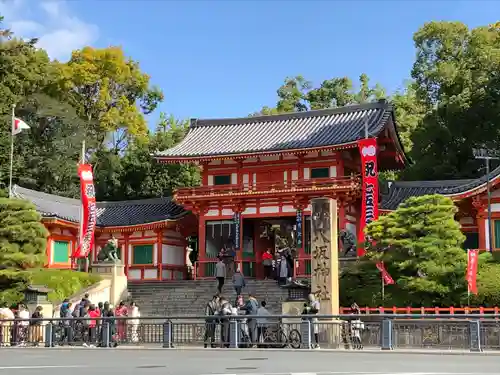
pixel 388 280
pixel 89 217
pixel 471 274
pixel 369 202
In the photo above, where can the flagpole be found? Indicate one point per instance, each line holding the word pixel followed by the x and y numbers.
pixel 468 283
pixel 383 289
pixel 80 227
pixel 11 149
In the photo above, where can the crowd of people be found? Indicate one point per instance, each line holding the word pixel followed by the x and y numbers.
pixel 80 322
pixel 252 330
pixel 18 327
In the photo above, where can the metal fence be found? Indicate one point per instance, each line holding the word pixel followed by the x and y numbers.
pixel 387 332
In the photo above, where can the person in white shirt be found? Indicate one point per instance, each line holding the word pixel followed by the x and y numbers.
pixel 6 321
pixel 24 317
pixel 357 326
pixel 133 312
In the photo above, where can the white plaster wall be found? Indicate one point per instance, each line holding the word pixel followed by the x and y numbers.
pixel 173 254
pixel 285 176
pixel 269 210
pixel 150 274
pixel 134 274
pixel 307 173
pixel 333 171
pixel 234 178
pixel 288 209
pixel 250 210
pixel 495 207
pixel 227 211
pixel 210 180
pixel 212 213
pixel 295 175
pixel 245 179
pixel 487 234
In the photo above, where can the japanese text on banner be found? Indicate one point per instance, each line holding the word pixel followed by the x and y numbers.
pixel 369 202
pixel 89 208
pixel 471 274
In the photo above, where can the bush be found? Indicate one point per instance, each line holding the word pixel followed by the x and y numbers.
pixel 63 283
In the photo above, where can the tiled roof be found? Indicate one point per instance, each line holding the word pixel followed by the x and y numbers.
pixel 399 191
pixel 291 131
pixel 109 214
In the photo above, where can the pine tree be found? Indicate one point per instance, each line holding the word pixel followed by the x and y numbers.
pixel 421 245
pixel 23 240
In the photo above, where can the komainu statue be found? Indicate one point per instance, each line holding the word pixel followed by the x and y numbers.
pixel 109 253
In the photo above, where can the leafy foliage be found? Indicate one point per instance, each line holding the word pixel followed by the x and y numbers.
pixel 456 79
pixel 22 241
pixel 420 243
pixel 63 283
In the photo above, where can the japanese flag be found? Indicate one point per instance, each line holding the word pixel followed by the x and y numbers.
pixel 18 126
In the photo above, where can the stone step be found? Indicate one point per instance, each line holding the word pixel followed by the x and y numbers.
pixel 183 298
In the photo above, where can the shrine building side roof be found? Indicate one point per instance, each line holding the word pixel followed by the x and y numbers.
pixel 109 214
pixel 290 131
pixel 399 191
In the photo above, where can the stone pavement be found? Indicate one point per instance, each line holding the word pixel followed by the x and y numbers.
pixel 63 361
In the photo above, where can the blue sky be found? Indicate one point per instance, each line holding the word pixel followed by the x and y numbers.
pixel 227 58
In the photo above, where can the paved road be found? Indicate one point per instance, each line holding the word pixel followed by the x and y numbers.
pixel 208 362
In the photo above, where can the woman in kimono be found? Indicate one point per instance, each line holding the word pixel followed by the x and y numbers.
pixel 121 324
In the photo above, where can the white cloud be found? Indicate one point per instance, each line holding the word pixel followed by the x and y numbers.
pixel 51 21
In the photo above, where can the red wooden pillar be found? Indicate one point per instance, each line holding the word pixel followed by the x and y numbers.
pixel 201 245
pixel 126 259
pixel 159 253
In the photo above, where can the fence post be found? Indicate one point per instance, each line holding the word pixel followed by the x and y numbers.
pixel 475 336
pixel 167 334
pixel 387 334
pixel 49 335
pixel 233 333
pixel 305 334
pixel 105 335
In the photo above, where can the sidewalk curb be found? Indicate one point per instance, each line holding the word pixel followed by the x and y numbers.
pixel 258 350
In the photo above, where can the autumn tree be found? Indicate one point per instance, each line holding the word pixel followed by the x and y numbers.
pixel 109 92
pixel 22 243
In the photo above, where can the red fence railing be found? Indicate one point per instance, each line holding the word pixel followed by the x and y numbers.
pixel 424 310
pixel 336 183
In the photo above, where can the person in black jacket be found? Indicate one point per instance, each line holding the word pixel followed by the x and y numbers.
pixel 211 311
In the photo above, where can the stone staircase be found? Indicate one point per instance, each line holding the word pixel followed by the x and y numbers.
pixel 189 298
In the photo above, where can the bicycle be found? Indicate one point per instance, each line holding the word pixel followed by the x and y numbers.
pixel 278 338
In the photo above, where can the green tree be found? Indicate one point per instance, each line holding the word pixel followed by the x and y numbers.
pixel 25 70
pixel 135 175
pixel 22 243
pixel 47 155
pixel 109 92
pixel 420 243
pixel 456 76
pixel 297 94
